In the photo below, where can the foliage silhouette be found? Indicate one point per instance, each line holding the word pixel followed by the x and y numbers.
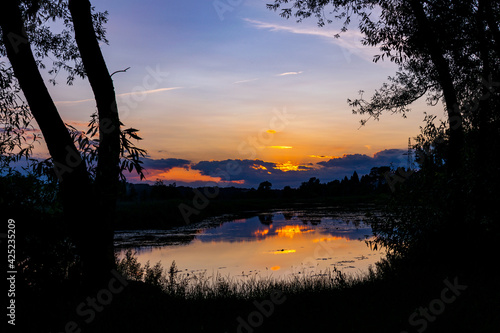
pixel 27 40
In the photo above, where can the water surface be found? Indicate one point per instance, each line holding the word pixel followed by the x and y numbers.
pixel 277 244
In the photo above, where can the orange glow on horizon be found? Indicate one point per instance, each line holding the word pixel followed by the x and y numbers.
pixel 288 166
pixel 186 175
pixel 275 268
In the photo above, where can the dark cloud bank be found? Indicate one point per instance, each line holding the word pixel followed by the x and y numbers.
pixel 250 173
pixel 165 164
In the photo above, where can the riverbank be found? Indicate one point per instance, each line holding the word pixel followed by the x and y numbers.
pixel 169 213
pixel 417 294
pixel 427 291
pixel 453 291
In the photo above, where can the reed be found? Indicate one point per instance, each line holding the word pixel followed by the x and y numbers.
pixel 202 286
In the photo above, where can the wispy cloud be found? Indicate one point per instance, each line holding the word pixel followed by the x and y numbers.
pixel 295 30
pixel 74 102
pixel 244 81
pixel 289 73
pixel 148 92
pixel 140 92
pixel 349 41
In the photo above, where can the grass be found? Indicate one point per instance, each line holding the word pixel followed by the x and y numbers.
pixel 163 300
pixel 380 301
pixel 199 286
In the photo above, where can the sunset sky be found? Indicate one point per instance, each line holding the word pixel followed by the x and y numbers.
pixel 230 92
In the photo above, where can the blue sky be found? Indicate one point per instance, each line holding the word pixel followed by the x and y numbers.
pixel 208 79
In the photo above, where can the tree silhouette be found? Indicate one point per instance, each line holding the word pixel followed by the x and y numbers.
pixel 24 34
pixel 447 51
pixel 311 188
pixel 265 186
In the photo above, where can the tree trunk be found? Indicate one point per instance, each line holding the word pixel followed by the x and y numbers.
pixel 484 170
pixel 450 96
pixel 109 123
pixel 70 168
pixel 453 226
pixel 487 73
pixel 492 22
pixel 76 188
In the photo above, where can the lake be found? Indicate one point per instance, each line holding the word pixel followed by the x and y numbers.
pixel 277 244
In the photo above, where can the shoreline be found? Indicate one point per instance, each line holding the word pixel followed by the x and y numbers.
pixel 166 214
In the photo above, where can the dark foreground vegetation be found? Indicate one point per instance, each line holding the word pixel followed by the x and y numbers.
pixel 441 234
pixel 436 277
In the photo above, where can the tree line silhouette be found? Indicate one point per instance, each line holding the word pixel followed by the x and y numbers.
pixel 373 183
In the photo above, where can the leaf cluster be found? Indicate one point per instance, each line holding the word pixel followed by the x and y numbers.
pixel 465 31
pixel 42 20
pixel 88 144
pixel 17 133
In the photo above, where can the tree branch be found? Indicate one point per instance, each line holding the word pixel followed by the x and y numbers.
pixel 120 71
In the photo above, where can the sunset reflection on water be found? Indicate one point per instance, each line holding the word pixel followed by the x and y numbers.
pixel 277 244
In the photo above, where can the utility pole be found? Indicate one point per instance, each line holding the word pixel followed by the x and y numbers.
pixel 410 164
